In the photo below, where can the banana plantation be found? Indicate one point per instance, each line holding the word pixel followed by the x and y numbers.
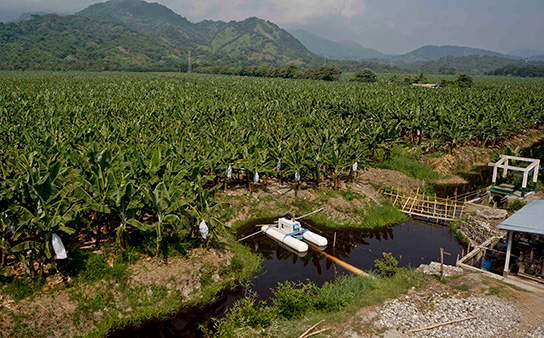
pixel 145 155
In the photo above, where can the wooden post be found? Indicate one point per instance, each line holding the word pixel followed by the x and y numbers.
pixel 395 201
pixel 434 206
pixel 508 253
pixel 441 263
pixel 334 241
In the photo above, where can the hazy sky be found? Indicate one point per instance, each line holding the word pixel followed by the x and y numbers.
pixel 391 26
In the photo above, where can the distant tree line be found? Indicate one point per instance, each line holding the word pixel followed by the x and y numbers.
pixel 524 71
pixel 290 72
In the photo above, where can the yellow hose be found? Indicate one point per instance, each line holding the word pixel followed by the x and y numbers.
pixel 343 264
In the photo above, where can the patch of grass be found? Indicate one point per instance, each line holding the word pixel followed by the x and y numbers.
pixel 410 164
pixel 20 288
pixel 493 291
pixel 455 227
pixel 462 287
pixel 92 267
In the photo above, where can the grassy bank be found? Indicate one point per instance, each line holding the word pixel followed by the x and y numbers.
pixel 343 209
pixel 297 306
pixel 102 298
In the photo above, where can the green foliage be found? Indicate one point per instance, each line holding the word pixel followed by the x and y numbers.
pixel 470 64
pixel 365 75
pixel 386 266
pixel 462 81
pixel 285 317
pixel 523 71
pixel 20 288
pixel 140 157
pixel 410 164
pixel 323 73
pixel 419 79
pixel 292 300
pixel 142 36
pixel 515 206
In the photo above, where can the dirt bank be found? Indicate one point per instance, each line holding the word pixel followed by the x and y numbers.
pixel 150 288
pixel 355 204
pixel 466 157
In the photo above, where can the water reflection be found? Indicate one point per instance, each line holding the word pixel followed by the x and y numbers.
pixel 411 243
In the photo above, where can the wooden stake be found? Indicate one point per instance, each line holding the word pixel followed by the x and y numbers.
pixel 442 324
pixel 334 241
pixel 310 329
pixel 441 263
pixel 317 332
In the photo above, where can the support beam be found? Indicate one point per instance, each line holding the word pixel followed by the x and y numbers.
pixel 508 253
pixel 494 179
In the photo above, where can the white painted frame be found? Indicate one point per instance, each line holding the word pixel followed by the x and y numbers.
pixel 503 163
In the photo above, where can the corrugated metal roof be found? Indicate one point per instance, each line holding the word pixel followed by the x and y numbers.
pixel 529 219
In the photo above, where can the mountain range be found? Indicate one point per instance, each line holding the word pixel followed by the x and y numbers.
pixel 339 50
pixel 137 35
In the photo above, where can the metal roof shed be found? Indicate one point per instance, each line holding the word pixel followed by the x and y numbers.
pixel 529 219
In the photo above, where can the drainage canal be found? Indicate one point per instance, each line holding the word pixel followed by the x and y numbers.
pixel 411 243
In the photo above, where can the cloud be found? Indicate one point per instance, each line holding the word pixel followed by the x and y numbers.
pixel 280 11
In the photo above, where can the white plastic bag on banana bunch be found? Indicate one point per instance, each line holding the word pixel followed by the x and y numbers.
pixel 58 247
pixel 354 167
pixel 203 228
pixel 278 166
pixel 256 178
pixel 229 172
pixel 297 176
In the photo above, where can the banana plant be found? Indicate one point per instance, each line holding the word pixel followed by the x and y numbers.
pixel 166 201
pixel 203 206
pixel 48 206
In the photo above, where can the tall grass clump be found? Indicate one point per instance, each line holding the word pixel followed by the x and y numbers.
pixel 293 302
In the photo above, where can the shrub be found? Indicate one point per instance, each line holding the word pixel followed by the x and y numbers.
pixel 515 206
pixel 387 266
pixel 365 75
pixel 292 300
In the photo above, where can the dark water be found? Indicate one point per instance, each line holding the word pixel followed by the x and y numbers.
pixel 411 243
pixel 479 177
